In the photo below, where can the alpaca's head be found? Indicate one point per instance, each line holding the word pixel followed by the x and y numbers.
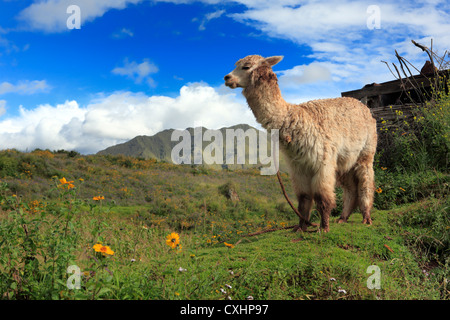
pixel 250 70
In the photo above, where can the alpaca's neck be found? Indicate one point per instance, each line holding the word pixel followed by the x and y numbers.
pixel 267 104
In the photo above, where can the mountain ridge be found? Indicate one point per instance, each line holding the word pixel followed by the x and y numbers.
pixel 160 146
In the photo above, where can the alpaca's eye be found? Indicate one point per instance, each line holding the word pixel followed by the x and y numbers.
pixel 245 67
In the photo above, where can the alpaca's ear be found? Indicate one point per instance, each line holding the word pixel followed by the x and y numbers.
pixel 274 60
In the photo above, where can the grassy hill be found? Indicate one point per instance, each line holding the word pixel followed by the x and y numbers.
pixel 132 204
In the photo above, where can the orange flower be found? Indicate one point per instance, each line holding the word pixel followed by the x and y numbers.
pixel 66 184
pixel 229 245
pixel 98 198
pixel 379 190
pixel 103 249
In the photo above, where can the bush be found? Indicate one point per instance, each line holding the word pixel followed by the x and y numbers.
pixel 8 165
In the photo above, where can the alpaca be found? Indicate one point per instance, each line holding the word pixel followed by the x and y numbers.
pixel 326 142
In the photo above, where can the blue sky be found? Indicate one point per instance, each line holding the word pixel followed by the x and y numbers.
pixel 136 67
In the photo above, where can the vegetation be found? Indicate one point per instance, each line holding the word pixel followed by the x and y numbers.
pixel 132 228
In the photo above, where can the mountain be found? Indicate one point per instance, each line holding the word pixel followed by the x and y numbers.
pixel 160 146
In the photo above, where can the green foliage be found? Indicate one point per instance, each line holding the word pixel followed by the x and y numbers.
pixel 423 141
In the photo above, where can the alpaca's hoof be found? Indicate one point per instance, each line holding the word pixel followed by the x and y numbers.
pixel 342 220
pixel 299 228
pixel 324 230
pixel 367 221
pixel 303 227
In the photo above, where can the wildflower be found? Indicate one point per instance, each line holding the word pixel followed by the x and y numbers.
pixel 182 269
pixel 98 198
pixel 402 189
pixel 223 291
pixel 103 249
pixel 249 298
pixel 229 245
pixel 177 294
pixel 379 190
pixel 332 279
pixel 228 286
pixel 173 240
pixel 383 168
pixel 342 291
pixel 66 184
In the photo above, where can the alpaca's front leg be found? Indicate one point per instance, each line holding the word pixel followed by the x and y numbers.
pixel 305 203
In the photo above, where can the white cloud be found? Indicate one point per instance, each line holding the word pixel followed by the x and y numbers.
pixel 303 74
pixel 24 87
pixel 51 15
pixel 137 71
pixel 121 116
pixel 210 16
pixel 2 107
pixel 123 33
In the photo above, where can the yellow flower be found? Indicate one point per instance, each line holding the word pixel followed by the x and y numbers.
pixel 383 168
pixel 229 245
pixel 402 189
pixel 173 240
pixel 98 198
pixel 103 249
pixel 379 190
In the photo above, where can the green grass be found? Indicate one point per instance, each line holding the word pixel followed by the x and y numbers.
pixel 46 228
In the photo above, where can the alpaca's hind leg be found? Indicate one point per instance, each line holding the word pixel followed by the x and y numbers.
pixel 350 195
pixel 366 188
